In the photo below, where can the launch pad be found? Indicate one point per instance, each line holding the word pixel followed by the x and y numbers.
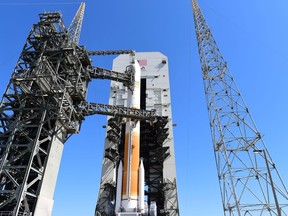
pixel 45 103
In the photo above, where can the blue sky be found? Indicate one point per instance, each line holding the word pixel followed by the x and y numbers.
pixel 252 36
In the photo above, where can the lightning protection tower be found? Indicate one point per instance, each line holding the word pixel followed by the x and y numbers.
pixel 249 181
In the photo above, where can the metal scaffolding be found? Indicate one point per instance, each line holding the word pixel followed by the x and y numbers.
pixel 43 105
pixel 37 108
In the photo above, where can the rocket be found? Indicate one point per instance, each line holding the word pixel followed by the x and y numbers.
pixel 130 174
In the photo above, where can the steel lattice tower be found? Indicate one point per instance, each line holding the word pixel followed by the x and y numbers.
pixel 76 24
pixel 38 114
pixel 43 105
pixel 249 181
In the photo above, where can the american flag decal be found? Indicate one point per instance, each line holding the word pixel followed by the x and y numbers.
pixel 142 62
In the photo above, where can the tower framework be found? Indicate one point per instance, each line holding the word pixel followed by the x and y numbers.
pixel 76 24
pixel 249 181
pixel 42 106
pixel 38 115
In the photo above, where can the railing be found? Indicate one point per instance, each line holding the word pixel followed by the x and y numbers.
pixel 10 213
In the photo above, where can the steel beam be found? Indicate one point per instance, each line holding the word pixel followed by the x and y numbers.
pixel 87 109
pixel 127 78
pixel 110 52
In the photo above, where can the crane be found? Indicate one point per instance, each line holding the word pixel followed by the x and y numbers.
pixel 250 183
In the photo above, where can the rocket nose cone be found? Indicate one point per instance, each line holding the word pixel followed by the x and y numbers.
pixel 141 165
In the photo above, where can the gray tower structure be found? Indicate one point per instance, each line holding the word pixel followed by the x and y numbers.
pixel 43 105
pixel 156 139
pixel 250 183
pixel 38 114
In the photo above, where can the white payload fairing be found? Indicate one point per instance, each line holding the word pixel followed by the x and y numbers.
pixel 130 174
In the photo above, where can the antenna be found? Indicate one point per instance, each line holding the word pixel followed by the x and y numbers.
pixel 76 24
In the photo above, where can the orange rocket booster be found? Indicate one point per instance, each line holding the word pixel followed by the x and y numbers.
pixel 130 180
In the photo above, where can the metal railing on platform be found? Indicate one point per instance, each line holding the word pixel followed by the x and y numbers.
pixel 10 213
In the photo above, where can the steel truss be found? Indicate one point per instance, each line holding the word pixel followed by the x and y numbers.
pixel 45 100
pixel 110 52
pixel 38 107
pixel 249 181
pixel 87 109
pixel 76 24
pixel 154 154
pixel 127 78
pixel 112 154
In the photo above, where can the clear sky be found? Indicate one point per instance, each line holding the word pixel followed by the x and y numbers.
pixel 253 38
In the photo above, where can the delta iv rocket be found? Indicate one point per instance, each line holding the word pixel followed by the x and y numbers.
pixel 130 174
